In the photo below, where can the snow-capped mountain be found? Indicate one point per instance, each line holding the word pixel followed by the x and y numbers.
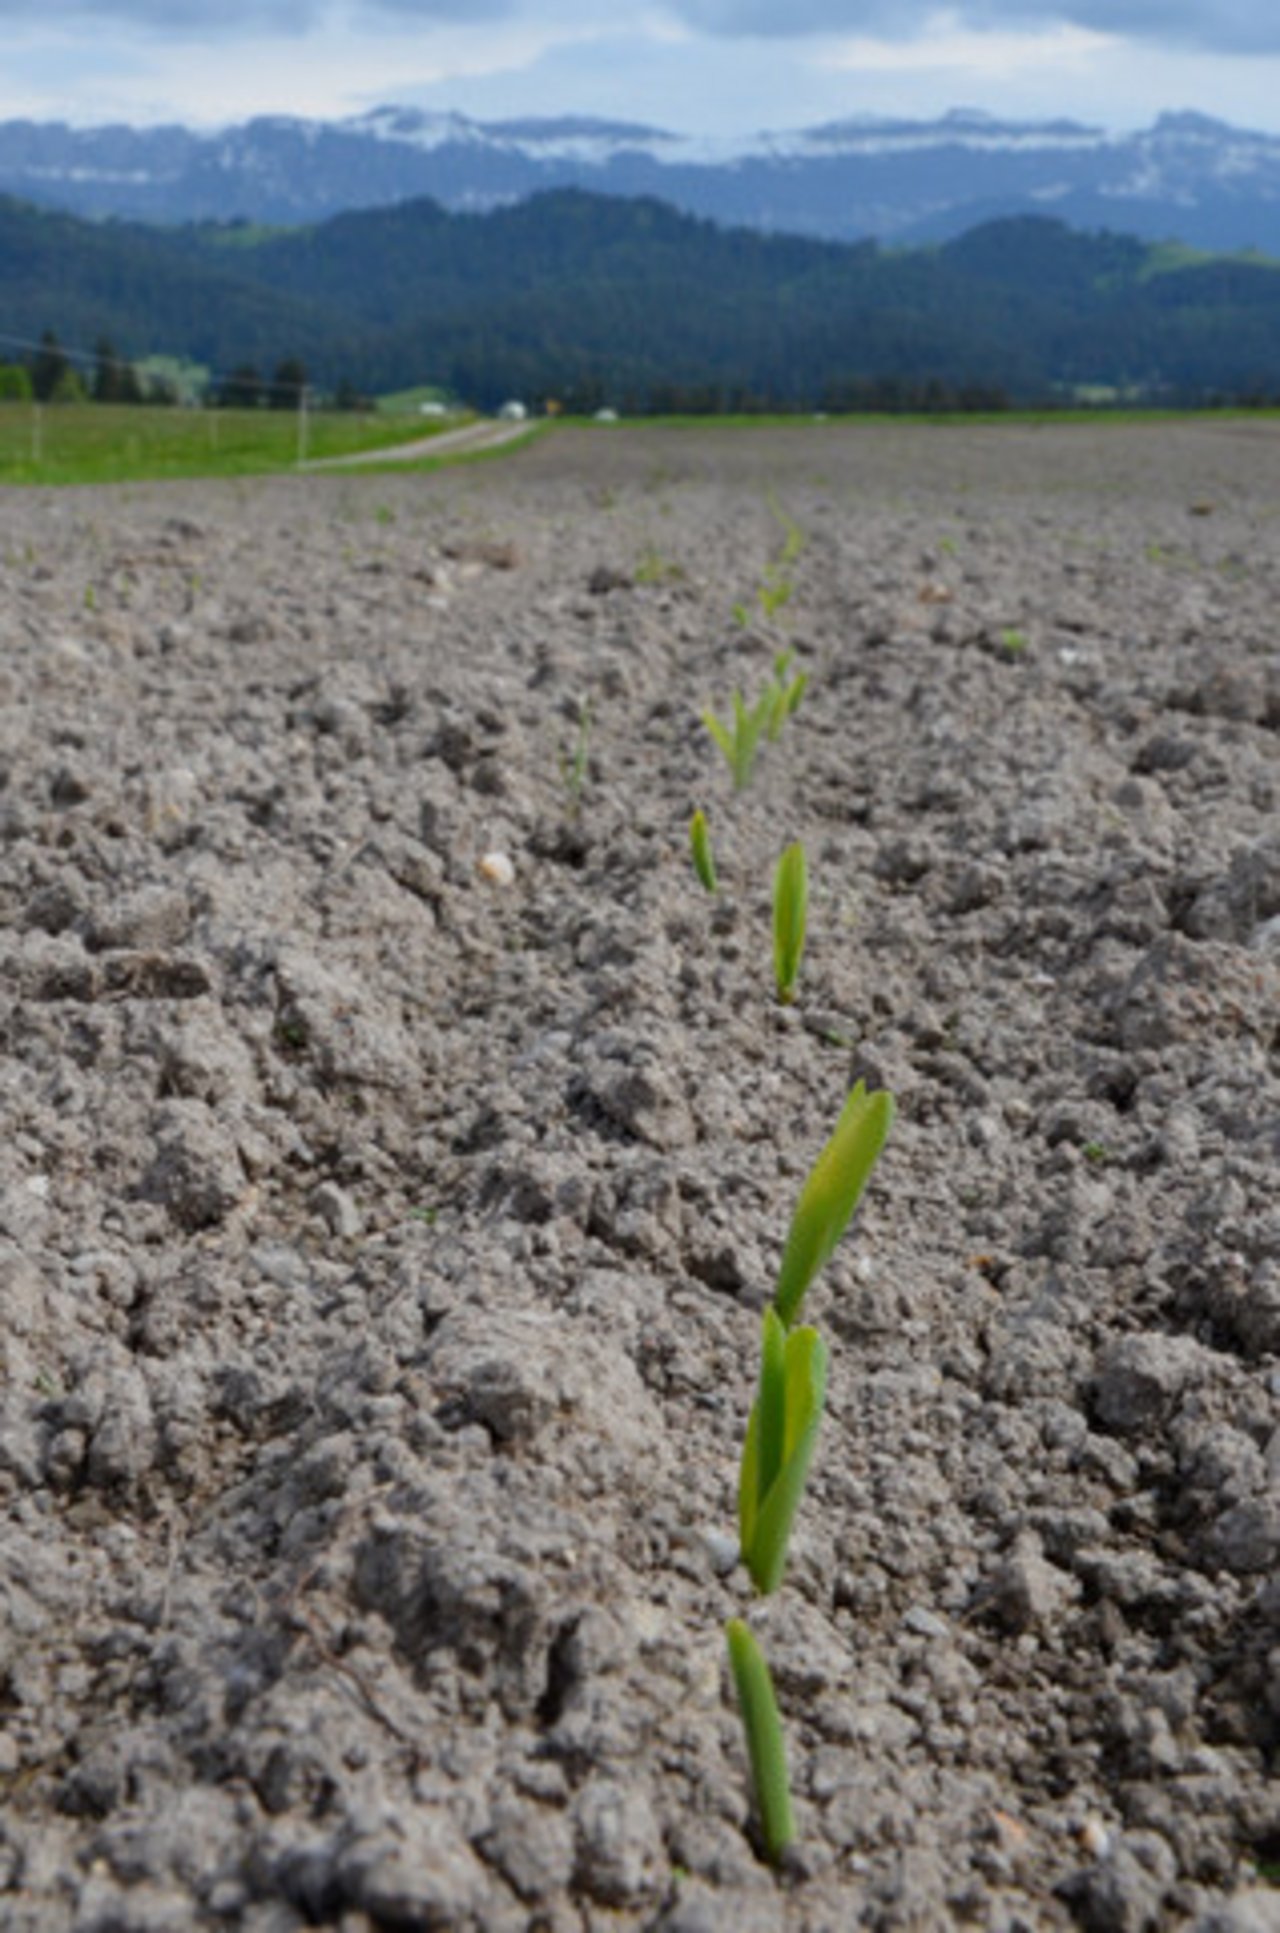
pixel 1187 177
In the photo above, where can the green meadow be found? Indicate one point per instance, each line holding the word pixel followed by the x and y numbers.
pixel 61 443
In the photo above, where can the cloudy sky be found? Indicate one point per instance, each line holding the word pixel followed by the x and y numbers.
pixel 698 66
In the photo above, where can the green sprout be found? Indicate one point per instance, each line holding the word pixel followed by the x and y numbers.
pixel 831 1194
pixel 783 1430
pixel 654 568
pixel 741 743
pixel 781 1435
pixel 573 765
pixel 773 591
pixel 765 1746
pixel 770 712
pixel 794 536
pixel 700 845
pixel 786 693
pixel 1013 641
pixel 790 914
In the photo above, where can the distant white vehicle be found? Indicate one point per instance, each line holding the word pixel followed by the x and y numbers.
pixel 513 413
pixel 606 416
pixel 433 409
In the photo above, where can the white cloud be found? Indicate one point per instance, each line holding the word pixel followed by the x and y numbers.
pixel 951 49
pixel 550 57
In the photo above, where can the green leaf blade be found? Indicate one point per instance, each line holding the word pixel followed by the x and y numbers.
pixel 720 733
pixel 763 1450
pixel 766 1748
pixel 806 1379
pixel 700 845
pixel 790 918
pixel 772 1403
pixel 831 1194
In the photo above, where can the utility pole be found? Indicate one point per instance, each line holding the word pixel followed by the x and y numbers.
pixel 302 424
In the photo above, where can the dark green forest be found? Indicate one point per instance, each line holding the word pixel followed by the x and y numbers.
pixel 598 302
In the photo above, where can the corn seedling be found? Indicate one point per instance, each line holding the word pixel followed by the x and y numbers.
pixel 700 846
pixel 793 536
pixel 783 1429
pixel 573 765
pixel 787 693
pixel 741 743
pixel 765 1746
pixel 790 917
pixel 781 1435
pixel 830 1195
pixel 773 591
pixel 654 568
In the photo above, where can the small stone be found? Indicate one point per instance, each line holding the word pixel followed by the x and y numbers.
pixel 722 1550
pixel 337 1210
pixel 497 868
pixel 279 1263
pixel 1246 1539
pixel 924 1623
pixel 1027 1589
pixel 197 1173
pixel 1140 1378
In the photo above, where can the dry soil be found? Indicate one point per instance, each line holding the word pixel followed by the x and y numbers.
pixel 384 1225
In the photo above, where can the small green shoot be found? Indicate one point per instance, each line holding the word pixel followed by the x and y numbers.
pixel 654 568
pixel 773 592
pixel 741 616
pixel 573 765
pixel 766 717
pixel 790 917
pixel 1013 641
pixel 765 1747
pixel 781 1435
pixel 831 1194
pixel 741 743
pixel 786 693
pixel 793 535
pixel 700 846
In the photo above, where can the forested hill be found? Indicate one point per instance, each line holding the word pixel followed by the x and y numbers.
pixel 594 300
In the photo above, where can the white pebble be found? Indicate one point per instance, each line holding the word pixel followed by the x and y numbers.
pixel 496 867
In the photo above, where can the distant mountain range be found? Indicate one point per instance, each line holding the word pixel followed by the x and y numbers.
pixel 1187 177
pixel 600 300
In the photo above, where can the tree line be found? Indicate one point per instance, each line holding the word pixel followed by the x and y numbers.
pixel 51 374
pixel 599 303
